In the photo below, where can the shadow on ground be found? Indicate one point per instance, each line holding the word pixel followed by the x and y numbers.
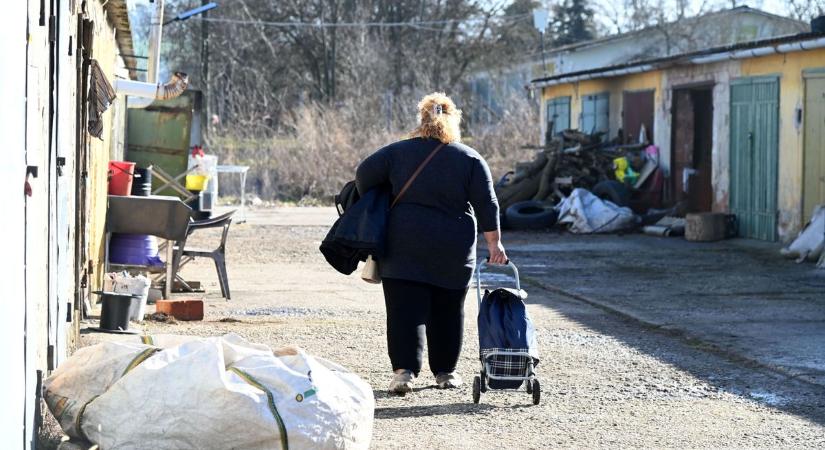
pixel 463 409
pixel 724 372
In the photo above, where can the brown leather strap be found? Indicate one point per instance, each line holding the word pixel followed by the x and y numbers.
pixel 415 174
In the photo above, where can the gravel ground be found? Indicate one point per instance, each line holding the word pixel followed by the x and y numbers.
pixel 606 381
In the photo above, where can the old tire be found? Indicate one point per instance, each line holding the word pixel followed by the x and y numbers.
pixel 476 389
pixel 613 191
pixel 530 215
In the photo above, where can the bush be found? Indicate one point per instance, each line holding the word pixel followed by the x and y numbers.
pixel 319 147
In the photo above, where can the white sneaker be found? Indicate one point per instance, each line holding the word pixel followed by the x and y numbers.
pixel 402 382
pixel 448 380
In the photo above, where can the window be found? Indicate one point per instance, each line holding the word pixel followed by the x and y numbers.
pixel 558 114
pixel 595 112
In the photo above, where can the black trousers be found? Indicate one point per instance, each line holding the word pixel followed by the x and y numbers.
pixel 418 311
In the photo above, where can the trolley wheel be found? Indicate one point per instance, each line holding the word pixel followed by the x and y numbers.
pixel 528 384
pixel 536 392
pixel 476 389
pixel 483 386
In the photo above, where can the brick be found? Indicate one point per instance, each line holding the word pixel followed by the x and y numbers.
pixel 183 309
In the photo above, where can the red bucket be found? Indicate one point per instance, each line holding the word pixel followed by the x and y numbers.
pixel 121 174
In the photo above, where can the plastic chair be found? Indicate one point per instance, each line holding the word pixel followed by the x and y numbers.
pixel 183 255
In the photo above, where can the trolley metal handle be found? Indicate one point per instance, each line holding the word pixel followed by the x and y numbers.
pixel 483 263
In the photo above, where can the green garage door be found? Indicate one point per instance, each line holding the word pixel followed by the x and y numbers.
pixel 754 138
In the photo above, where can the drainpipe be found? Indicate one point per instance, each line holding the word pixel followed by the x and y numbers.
pixel 148 92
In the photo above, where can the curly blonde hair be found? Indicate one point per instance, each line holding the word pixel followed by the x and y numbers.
pixel 438 118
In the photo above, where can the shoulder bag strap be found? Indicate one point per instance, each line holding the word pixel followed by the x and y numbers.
pixel 415 174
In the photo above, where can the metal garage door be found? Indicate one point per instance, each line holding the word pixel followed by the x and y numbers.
pixel 558 114
pixel 595 113
pixel 754 132
pixel 637 110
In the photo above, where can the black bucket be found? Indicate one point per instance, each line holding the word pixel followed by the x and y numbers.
pixel 142 183
pixel 115 310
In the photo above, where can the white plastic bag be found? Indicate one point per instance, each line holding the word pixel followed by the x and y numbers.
pixel 587 213
pixel 811 240
pixel 208 393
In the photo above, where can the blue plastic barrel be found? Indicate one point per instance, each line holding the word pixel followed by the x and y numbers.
pixel 134 249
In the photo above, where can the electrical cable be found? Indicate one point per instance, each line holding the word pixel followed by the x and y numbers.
pixel 422 25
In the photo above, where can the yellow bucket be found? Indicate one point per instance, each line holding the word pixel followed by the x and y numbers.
pixel 196 182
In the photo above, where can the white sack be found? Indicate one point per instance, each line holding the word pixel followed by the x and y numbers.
pixel 587 213
pixel 208 393
pixel 810 242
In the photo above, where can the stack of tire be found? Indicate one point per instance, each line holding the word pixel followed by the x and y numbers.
pixel 530 215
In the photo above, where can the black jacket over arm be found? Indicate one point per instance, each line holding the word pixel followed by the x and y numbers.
pixel 431 234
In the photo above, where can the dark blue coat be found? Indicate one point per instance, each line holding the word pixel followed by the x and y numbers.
pixel 359 232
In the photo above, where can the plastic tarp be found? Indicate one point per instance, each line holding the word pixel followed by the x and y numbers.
pixel 585 213
pixel 174 392
pixel 811 241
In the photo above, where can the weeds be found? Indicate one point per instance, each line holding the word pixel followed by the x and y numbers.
pixel 318 148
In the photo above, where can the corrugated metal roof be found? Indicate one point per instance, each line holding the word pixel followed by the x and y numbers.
pixel 677 59
pixel 118 14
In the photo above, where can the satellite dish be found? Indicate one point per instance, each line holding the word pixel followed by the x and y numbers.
pixel 540 19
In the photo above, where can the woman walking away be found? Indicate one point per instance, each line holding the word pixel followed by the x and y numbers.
pixel 431 239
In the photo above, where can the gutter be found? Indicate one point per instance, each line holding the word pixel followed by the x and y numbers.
pixel 149 92
pixel 762 51
pixel 140 94
pixel 699 58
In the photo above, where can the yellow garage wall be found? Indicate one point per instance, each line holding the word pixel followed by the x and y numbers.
pixel 106 53
pixel 614 86
pixel 789 68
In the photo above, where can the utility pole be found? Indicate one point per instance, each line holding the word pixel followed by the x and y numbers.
pixel 540 17
pixel 205 71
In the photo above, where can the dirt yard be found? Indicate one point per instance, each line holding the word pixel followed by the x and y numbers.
pixel 606 381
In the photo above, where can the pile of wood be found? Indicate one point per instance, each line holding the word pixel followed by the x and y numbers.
pixel 569 160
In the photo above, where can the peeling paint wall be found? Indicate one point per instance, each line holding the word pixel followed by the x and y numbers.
pixel 100 150
pixel 614 86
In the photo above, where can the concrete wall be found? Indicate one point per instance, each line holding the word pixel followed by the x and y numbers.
pixel 711 30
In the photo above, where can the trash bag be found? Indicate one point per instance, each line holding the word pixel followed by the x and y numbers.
pixel 811 240
pixel 586 213
pixel 172 392
pixel 504 324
